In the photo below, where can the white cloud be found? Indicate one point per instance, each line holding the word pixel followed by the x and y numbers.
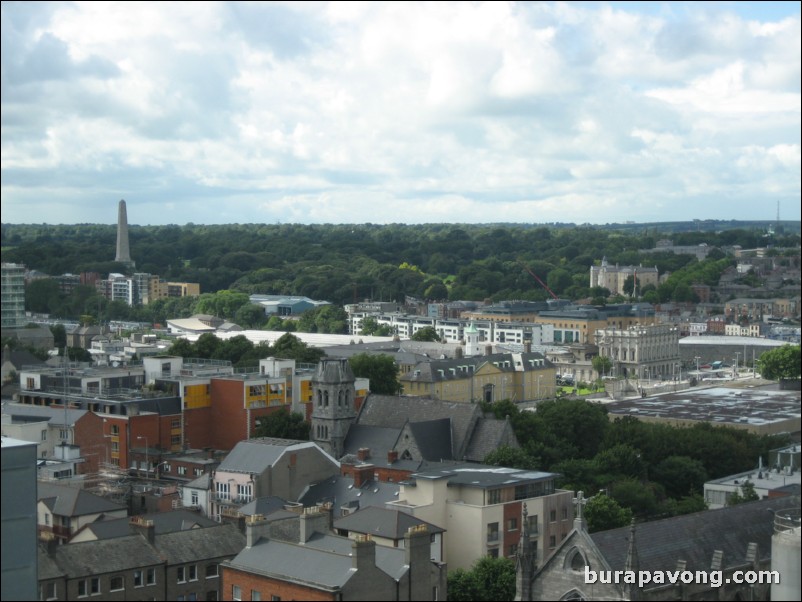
pixel 396 112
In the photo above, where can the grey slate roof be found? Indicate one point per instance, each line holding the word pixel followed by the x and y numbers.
pixel 263 505
pixel 382 522
pixel 327 570
pixel 394 411
pixel 488 436
pixel 200 544
pixel 163 522
pixel 71 501
pixel 256 455
pixel 433 438
pixel 340 491
pixel 55 416
pixel 379 440
pixel 694 537
pixel 105 556
pixel 324 561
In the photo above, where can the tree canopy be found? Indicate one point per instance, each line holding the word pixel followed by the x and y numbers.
pixel 379 369
pixel 283 425
pixel 490 580
pixel 781 363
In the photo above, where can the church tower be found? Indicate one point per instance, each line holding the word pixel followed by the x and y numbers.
pixel 123 252
pixel 333 402
pixel 472 335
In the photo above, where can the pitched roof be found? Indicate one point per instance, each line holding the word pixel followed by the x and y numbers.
pixel 257 455
pixel 324 562
pixel 263 505
pixel 200 544
pixel 488 436
pixel 163 522
pixel 382 522
pixel 695 537
pixel 392 411
pixel 433 438
pixel 105 556
pixel 340 491
pixel 71 501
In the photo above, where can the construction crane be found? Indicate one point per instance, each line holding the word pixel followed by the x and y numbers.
pixel 543 284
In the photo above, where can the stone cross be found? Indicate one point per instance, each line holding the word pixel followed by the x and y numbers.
pixel 579 502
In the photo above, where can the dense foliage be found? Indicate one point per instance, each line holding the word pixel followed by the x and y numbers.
pixel 380 370
pixel 244 354
pixel 490 579
pixel 283 425
pixel 649 469
pixel 784 362
pixel 344 263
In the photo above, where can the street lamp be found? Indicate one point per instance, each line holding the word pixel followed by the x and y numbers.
pixel 147 455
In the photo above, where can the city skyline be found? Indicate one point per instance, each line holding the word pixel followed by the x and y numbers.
pixel 578 112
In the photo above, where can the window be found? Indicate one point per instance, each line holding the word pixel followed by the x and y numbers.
pixel 552 541
pixel 49 591
pixel 211 571
pixel 139 580
pixel 553 516
pixel 492 532
pixel 244 493
pixel 274 598
pixel 211 595
pixel 175 423
pixel 181 575
pixel 512 550
pixel 193 572
pixel 194 498
pixel 494 496
pixel 512 524
pixel 198 472
pixel 175 439
pixel 115 446
pixel 151 577
pixel 492 553
pixel 166 467
pixel 236 592
pixel 115 430
pixel 82 589
pixel 565 513
pixel 116 584
pixel 47 519
pixel 256 594
pixel 64 434
pixel 44 435
pixel 94 586
pixel 182 470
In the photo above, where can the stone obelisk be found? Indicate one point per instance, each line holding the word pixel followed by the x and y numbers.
pixel 123 252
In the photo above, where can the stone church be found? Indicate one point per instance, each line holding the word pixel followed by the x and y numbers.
pixel 412 429
pixel 583 566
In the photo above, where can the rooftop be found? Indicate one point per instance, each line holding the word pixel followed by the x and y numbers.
pixel 719 405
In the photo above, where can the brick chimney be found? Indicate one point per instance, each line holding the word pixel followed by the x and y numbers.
pixel 363 453
pixel 488 349
pixel 144 527
pixel 363 474
pixel 392 456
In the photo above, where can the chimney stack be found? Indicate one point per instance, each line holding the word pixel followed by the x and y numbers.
pixel 392 456
pixel 363 453
pixel 362 474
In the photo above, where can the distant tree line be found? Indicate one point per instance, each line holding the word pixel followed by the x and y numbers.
pixel 345 263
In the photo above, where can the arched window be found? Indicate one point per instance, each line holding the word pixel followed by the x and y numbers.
pixel 325 399
pixel 319 398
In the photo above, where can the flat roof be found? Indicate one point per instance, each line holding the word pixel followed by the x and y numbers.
pixel 743 407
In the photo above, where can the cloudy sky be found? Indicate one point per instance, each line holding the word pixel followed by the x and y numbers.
pixel 319 112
